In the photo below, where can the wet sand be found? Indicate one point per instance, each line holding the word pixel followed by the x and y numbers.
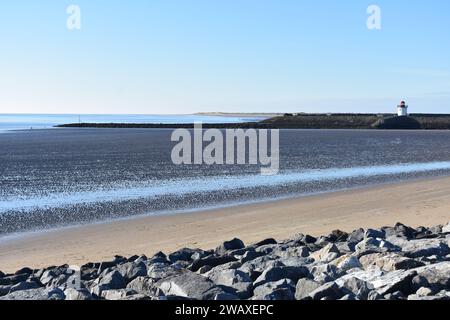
pixel 425 202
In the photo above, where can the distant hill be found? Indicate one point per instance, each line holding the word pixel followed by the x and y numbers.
pixel 323 121
pixel 361 121
pixel 311 121
pixel 404 123
pixel 242 114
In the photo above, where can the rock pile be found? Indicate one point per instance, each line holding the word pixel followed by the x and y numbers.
pixel 386 264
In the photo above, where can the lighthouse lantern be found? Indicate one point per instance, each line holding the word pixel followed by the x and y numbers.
pixel 402 109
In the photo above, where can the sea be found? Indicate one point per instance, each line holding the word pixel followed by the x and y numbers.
pixel 53 178
pixel 47 121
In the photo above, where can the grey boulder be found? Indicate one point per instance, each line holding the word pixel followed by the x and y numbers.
pixel 389 262
pixel 359 288
pixel 329 291
pixel 396 281
pixel 111 280
pixel 35 294
pixel 346 262
pixel 372 245
pixel 446 228
pixel 266 291
pixel 277 295
pixel 233 244
pixel 4 290
pixel 160 271
pixel 304 287
pixel 425 247
pixel 185 254
pixel 189 285
pixel 436 276
pixel 143 285
pixel 118 294
pixel 132 270
pixel 239 282
pixel 326 254
pixel 273 274
pixel 73 294
pixel 255 267
pixel 25 285
pixel 211 261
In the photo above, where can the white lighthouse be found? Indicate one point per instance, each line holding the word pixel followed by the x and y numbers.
pixel 402 109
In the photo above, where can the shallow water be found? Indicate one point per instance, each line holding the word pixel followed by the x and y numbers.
pixel 52 178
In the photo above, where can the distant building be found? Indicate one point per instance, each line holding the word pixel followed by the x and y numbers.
pixel 402 109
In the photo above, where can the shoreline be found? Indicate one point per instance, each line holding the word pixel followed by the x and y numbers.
pixel 213 208
pixel 412 202
pixel 305 121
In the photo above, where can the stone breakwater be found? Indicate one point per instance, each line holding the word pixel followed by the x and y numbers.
pixel 391 263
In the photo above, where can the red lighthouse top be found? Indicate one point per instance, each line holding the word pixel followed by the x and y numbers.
pixel 403 104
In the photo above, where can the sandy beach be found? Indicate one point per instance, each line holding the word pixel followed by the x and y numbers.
pixel 425 202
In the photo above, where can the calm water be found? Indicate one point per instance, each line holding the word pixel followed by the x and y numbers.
pixel 51 178
pixel 40 121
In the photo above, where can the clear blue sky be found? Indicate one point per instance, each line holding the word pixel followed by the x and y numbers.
pixel 184 56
